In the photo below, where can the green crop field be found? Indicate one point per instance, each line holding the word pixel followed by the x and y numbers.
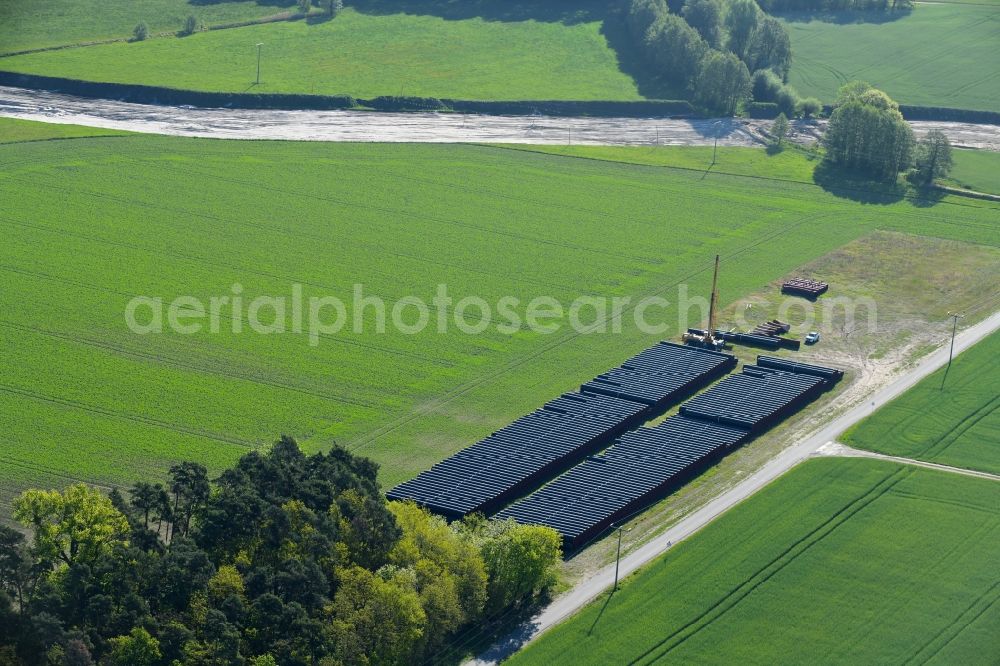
pixel 87 227
pixel 840 561
pixel 31 25
pixel 365 55
pixel 938 55
pixel 977 170
pixel 948 418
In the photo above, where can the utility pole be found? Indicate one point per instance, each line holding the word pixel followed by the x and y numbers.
pixel 258 62
pixel 954 328
pixel 715 146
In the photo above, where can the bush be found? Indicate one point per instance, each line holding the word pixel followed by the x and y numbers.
pixel 395 103
pixel 600 108
pixel 140 32
pixel 810 107
pixel 787 100
pixel 334 7
pixel 762 110
pixel 766 86
pixel 944 113
pixel 304 6
pixel 190 25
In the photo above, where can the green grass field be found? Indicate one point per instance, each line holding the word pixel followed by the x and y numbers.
pixel 977 170
pixel 32 25
pixel 938 55
pixel 840 561
pixel 949 419
pixel 790 164
pixel 365 55
pixel 13 130
pixel 89 226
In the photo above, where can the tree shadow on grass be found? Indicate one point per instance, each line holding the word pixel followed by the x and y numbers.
pixel 277 4
pixel 927 197
pixel 512 629
pixel 856 187
pixel 845 17
pixel 547 11
pixel 632 63
pixel 316 19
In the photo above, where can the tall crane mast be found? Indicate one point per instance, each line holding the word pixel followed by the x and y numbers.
pixel 708 339
pixel 713 304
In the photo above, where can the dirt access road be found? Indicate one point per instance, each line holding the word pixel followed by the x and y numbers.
pixel 814 444
pixel 426 127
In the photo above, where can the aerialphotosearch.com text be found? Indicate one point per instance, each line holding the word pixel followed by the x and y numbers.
pixel 319 316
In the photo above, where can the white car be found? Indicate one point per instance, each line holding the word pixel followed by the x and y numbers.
pixel 812 338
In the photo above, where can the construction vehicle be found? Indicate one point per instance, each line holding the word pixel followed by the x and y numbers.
pixel 708 339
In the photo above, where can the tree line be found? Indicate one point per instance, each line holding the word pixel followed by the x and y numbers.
pixel 711 48
pixel 283 559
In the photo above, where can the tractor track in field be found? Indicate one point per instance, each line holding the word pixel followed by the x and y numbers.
pixel 160 359
pixel 366 126
pixel 734 596
pixel 125 416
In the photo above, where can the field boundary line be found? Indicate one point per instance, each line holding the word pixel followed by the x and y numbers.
pixel 60 138
pixel 528 148
pixel 836 449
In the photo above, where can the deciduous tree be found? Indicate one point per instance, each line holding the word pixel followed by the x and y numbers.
pixel 779 130
pixel 867 133
pixel 934 158
pixel 138 648
pixel 741 22
pixel 76 525
pixel 723 82
pixel 705 16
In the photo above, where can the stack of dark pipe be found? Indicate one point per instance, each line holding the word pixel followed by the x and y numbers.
pixel 774 329
pixel 804 287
